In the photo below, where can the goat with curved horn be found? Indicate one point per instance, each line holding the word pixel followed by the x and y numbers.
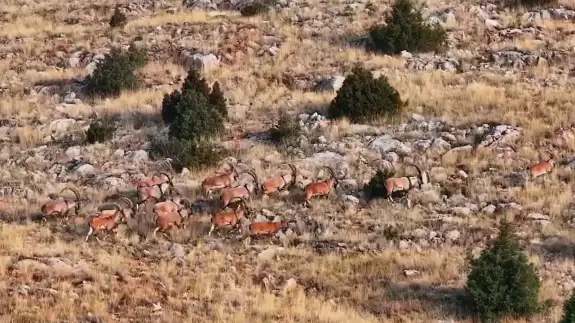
pixel 321 188
pixel 243 191
pixel 229 218
pixel 405 183
pixel 278 183
pixel 219 181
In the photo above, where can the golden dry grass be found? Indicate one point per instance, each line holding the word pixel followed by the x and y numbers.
pixel 221 280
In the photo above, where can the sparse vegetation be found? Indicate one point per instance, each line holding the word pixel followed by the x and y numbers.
pixel 118 18
pixel 502 282
pixel 100 131
pixel 286 131
pixel 406 29
pixel 254 8
pixel 192 154
pixel 376 186
pixel 362 98
pixel 116 73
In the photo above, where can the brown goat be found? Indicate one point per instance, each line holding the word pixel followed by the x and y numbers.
pixel 152 193
pixel 219 181
pixel 61 207
pixel 243 191
pixel 402 184
pixel 104 222
pixel 542 167
pixel 266 228
pixel 280 182
pixel 321 188
pixel 157 179
pixel 229 218
pixel 165 221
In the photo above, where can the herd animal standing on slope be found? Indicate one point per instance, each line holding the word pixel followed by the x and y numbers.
pixel 174 210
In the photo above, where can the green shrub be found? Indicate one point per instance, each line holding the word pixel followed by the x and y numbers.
pixel 376 186
pixel 362 98
pixel 100 131
pixel 569 310
pixel 254 8
pixel 186 153
pixel 195 112
pixel 137 56
pixel 118 19
pixel 286 131
pixel 115 73
pixel 194 117
pixel 406 29
pixel 502 282
pixel 218 101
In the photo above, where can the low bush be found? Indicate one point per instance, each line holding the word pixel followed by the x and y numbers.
pixel 376 186
pixel 405 29
pixel 186 153
pixel 569 310
pixel 195 112
pixel 254 8
pixel 286 131
pixel 116 73
pixel 118 19
pixel 100 131
pixel 363 98
pixel 502 282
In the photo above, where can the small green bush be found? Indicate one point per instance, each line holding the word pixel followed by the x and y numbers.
pixel 118 19
pixel 116 73
pixel 254 8
pixel 100 131
pixel 376 186
pixel 502 282
pixel 195 118
pixel 569 310
pixel 362 98
pixel 186 153
pixel 195 112
pixel 406 29
pixel 286 131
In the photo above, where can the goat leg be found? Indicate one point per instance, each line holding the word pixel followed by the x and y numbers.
pixel 89 234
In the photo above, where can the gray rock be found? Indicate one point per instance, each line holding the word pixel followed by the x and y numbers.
pixel 452 235
pixel 386 143
pixel 177 251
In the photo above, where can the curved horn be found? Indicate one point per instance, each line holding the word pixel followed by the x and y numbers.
pixel 185 199
pixel 294 174
pixel 418 171
pixel 233 169
pixel 245 204
pixel 173 189
pixel 551 155
pixel 77 196
pixel 128 201
pixel 168 176
pixel 253 174
pixel 330 170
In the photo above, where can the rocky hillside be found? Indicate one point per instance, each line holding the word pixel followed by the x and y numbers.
pixel 496 101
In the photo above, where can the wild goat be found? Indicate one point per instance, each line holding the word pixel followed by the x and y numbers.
pixel 229 218
pixel 542 167
pixel 265 228
pixel 128 213
pixel 105 221
pixel 280 182
pixel 219 181
pixel 61 207
pixel 152 193
pixel 157 179
pixel 403 184
pixel 243 191
pixel 321 188
pixel 176 204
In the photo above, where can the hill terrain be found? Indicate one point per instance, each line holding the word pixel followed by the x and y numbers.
pixel 497 101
